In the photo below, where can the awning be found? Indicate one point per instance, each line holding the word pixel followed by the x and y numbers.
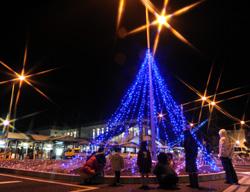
pixel 83 141
pixel 66 138
pixel 15 136
pixel 39 137
pixel 130 144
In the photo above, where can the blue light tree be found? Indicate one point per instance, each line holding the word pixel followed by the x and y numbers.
pixel 149 105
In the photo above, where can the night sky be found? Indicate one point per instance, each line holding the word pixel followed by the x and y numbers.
pixel 95 66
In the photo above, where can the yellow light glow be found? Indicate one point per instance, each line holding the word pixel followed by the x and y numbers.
pixel 242 122
pixel 203 98
pixel 21 77
pixel 161 20
pixel 237 142
pixel 213 103
pixel 120 13
pixel 6 122
pixel 24 78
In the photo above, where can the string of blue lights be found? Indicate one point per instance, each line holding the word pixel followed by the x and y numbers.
pixel 134 111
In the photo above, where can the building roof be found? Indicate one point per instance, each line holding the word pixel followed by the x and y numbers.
pixel 15 136
pixel 39 137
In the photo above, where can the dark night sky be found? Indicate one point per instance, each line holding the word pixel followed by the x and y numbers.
pixel 96 67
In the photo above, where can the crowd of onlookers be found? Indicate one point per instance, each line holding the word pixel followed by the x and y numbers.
pixel 21 153
pixel 165 167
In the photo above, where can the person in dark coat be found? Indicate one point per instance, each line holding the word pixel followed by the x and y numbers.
pixel 144 163
pixel 101 160
pixel 165 173
pixel 30 152
pixel 191 152
pixel 21 153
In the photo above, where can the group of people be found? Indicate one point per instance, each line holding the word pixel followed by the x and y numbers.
pixel 165 167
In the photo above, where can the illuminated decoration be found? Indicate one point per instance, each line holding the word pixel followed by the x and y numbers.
pixel 161 116
pixel 206 156
pixel 242 122
pixel 193 130
pixel 161 19
pixel 138 110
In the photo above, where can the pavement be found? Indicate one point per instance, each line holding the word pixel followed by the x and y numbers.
pixel 15 183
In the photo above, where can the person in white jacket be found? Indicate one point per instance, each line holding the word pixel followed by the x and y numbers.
pixel 117 164
pixel 225 155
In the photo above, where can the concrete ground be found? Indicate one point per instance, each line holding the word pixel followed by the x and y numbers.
pixel 15 183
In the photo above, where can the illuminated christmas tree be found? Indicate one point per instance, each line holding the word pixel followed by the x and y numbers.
pixel 149 107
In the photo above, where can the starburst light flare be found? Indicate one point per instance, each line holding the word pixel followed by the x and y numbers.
pixel 6 123
pixel 24 77
pixel 162 19
pixel 209 101
pixel 120 13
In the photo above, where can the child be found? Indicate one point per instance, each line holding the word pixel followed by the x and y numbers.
pixel 165 173
pixel 117 163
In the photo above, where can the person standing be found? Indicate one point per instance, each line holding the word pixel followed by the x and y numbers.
pixel 117 164
pixel 21 153
pixel 225 155
pixel 144 163
pixel 191 152
pixel 30 152
pixel 101 159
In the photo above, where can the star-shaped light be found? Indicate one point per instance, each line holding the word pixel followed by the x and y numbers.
pixel 161 116
pixel 191 124
pixel 213 103
pixel 162 19
pixel 6 123
pixel 24 77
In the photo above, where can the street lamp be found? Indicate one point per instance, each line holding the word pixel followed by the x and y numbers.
pixel 21 77
pixel 242 122
pixel 213 103
pixel 203 98
pixel 6 122
pixel 191 124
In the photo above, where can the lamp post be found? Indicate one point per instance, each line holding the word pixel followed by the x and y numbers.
pixel 152 115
